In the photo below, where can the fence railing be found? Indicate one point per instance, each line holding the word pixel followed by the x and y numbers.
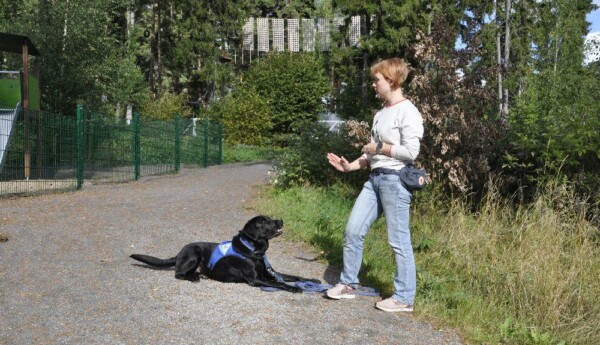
pixel 42 151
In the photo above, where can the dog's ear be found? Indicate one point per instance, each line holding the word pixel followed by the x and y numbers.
pixel 254 227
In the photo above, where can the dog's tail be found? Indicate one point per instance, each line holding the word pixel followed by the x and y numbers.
pixel 152 261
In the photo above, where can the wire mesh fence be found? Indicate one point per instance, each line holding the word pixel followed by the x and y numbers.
pixel 42 152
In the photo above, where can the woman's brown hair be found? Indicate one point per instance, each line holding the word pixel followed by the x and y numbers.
pixel 394 70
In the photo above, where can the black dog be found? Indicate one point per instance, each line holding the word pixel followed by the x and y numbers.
pixel 241 260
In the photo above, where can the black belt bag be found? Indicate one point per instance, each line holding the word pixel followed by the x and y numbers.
pixel 412 178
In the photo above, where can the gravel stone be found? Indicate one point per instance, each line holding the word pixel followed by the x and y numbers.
pixel 66 276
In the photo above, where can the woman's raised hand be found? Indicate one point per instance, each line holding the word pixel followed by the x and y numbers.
pixel 339 163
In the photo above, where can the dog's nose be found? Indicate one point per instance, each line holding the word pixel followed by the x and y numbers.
pixel 279 223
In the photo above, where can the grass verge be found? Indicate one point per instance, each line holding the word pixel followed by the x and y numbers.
pixel 505 275
pixel 247 153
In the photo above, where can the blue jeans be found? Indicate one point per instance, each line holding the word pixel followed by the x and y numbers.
pixel 382 194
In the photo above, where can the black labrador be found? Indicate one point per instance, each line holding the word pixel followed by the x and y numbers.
pixel 241 260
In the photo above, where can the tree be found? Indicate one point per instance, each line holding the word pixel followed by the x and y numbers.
pixel 294 86
pixel 80 46
pixel 284 8
pixel 389 29
pixel 557 121
pixel 245 116
pixel 461 143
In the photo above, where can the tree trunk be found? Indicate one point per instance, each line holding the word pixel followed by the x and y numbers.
pixel 507 53
pixel 152 48
pixel 159 55
pixel 65 27
pixel 557 44
pixel 499 58
pixel 130 20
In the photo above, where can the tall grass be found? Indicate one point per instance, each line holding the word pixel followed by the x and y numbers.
pixel 527 274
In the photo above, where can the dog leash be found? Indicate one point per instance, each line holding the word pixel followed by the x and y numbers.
pixel 265 260
pixel 306 286
pixel 311 287
pixel 272 271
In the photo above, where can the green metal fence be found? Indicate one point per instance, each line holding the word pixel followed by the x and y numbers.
pixel 42 152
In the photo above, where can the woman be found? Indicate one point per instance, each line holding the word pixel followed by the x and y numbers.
pixel 395 141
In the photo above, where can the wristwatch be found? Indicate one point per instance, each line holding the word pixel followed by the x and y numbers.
pixel 379 147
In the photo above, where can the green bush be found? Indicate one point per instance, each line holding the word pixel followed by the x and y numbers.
pixel 166 107
pixel 245 116
pixel 293 85
pixel 305 160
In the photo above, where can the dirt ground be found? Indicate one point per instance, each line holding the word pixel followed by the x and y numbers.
pixel 66 276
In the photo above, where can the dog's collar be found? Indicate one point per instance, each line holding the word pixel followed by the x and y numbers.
pixel 247 243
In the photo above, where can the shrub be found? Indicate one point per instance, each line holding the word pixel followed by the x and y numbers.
pixel 293 85
pixel 305 160
pixel 166 107
pixel 245 116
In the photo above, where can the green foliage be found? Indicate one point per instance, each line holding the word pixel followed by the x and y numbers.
pixel 83 60
pixel 352 99
pixel 284 9
pixel 165 108
pixel 245 116
pixel 555 125
pixel 557 120
pixel 121 83
pixel 197 45
pixel 305 160
pixel 292 84
pixel 391 24
pixel 515 332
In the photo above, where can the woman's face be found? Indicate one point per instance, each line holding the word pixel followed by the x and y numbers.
pixel 381 85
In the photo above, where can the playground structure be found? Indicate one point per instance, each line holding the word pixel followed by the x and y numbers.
pixel 7 119
pixel 19 90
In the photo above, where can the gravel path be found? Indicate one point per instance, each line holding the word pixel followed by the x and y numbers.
pixel 66 278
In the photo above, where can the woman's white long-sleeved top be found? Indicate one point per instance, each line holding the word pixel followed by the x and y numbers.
pixel 399 125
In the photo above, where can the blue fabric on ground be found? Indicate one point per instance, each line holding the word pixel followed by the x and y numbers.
pixel 366 291
pixel 310 287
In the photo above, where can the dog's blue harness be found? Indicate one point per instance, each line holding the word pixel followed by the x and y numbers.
pixel 226 249
pixel 222 250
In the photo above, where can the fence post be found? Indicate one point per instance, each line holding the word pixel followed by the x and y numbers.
pixel 206 143
pixel 177 145
pixel 137 148
pixel 79 146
